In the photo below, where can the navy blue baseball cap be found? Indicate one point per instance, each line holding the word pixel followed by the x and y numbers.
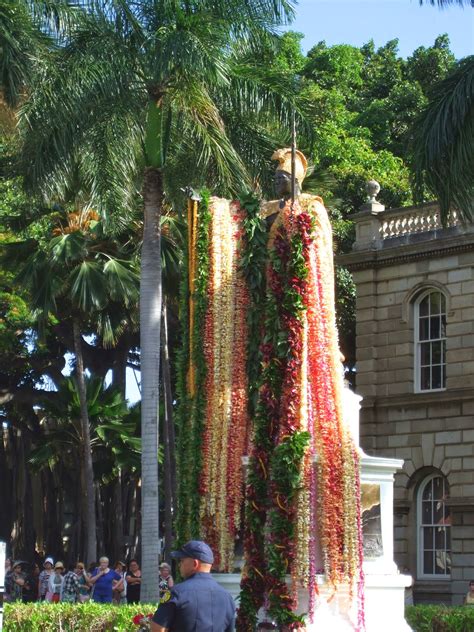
pixel 195 549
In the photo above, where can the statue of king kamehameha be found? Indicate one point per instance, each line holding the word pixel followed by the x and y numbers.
pixel 281 406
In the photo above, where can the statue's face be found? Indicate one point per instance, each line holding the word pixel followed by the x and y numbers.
pixel 282 181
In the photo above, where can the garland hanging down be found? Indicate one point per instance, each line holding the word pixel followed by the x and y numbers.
pixel 260 344
pixel 215 382
pixel 299 420
pixel 191 372
pixel 226 418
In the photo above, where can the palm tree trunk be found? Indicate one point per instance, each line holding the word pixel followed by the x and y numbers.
pixel 91 528
pixel 119 381
pixel 5 487
pixel 150 321
pixel 169 460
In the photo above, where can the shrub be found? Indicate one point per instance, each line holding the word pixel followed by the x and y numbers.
pixel 440 618
pixel 93 617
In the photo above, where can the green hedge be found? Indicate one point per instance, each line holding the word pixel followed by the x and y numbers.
pixel 94 617
pixel 440 618
pixel 90 617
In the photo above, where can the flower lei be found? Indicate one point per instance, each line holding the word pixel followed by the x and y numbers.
pixel 213 382
pixel 226 417
pixel 273 313
pixel 259 370
pixel 298 417
pixel 192 401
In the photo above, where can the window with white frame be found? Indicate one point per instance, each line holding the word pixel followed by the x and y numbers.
pixel 430 341
pixel 434 529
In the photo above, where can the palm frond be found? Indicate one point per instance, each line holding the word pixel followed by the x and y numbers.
pixel 87 287
pixel 122 281
pixel 444 142
pixel 20 40
pixel 446 3
pixel 203 136
pixel 72 87
pixel 109 163
pixel 67 249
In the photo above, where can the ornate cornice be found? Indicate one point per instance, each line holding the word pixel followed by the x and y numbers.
pixel 406 252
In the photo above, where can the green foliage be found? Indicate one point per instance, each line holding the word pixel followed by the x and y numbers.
pixel 432 618
pixel 338 67
pixel 427 66
pixel 72 617
pixel 78 270
pixel 345 313
pixel 115 429
pixel 191 413
pixel 253 259
pixel 288 56
pixel 365 105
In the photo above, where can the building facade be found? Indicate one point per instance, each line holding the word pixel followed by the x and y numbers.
pixel 415 371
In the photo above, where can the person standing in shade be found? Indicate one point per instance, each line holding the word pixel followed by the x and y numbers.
pixel 70 589
pixel 134 580
pixel 119 588
pixel 83 579
pixel 14 582
pixel 198 604
pixel 102 579
pixel 30 589
pixel 43 578
pixel 55 583
pixel 165 580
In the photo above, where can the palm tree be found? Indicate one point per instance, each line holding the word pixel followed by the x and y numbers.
pixel 132 92
pixel 77 276
pixel 444 142
pixel 114 441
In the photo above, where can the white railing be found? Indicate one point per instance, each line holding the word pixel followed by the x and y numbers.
pixel 413 220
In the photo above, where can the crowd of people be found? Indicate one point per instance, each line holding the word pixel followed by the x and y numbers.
pixel 119 584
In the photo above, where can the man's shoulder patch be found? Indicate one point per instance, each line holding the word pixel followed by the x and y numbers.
pixel 166 596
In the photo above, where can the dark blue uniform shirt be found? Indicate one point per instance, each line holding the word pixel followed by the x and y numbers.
pixel 197 604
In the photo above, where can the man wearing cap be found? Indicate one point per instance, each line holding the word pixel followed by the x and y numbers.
pixel 198 604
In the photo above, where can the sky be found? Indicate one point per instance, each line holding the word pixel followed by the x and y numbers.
pixel 356 22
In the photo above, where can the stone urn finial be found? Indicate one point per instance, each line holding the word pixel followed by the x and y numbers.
pixel 372 187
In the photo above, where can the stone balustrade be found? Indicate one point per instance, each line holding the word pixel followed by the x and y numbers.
pixel 405 221
pixel 377 228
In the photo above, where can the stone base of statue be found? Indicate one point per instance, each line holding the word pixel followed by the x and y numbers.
pixel 384 603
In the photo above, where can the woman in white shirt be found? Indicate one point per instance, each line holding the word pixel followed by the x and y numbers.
pixel 55 583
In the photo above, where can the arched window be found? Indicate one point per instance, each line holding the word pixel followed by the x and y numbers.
pixel 430 341
pixel 434 528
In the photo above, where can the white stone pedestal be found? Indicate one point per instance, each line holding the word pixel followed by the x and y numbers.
pixel 384 604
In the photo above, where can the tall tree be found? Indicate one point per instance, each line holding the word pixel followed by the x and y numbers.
pixel 130 94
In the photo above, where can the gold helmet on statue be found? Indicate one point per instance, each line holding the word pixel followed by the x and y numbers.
pixel 284 162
